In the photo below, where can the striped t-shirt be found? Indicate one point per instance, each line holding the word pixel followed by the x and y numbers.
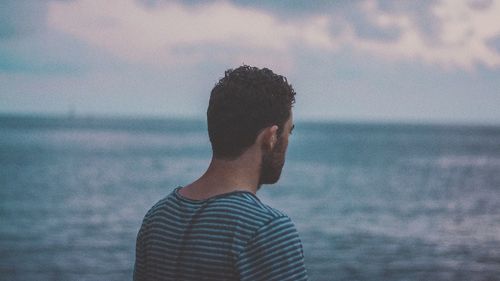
pixel 232 236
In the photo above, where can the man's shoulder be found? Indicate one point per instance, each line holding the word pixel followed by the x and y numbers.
pixel 248 202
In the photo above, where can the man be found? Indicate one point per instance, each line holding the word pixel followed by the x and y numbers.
pixel 216 228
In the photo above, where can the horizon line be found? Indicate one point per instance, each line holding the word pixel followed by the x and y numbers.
pixel 304 119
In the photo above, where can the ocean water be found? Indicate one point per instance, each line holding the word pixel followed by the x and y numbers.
pixel 370 201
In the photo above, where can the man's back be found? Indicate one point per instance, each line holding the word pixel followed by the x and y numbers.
pixel 231 236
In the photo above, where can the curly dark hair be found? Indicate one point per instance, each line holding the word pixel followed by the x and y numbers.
pixel 246 100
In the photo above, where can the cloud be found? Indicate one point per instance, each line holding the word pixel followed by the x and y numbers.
pixel 20 18
pixel 448 33
pixel 462 39
pixel 175 33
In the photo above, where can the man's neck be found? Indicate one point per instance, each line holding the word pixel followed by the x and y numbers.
pixel 224 176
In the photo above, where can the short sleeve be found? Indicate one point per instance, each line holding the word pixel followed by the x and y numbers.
pixel 274 253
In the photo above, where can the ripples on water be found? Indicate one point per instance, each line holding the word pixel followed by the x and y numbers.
pixel 371 202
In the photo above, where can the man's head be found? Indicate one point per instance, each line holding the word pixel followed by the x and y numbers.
pixel 242 104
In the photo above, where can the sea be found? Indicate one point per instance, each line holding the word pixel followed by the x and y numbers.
pixel 371 201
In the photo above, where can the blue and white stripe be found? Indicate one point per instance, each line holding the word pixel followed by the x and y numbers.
pixel 232 236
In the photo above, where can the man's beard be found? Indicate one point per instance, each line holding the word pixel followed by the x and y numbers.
pixel 272 164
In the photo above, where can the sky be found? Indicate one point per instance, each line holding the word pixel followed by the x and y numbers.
pixel 356 61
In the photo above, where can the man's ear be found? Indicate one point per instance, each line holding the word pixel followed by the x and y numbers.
pixel 268 136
